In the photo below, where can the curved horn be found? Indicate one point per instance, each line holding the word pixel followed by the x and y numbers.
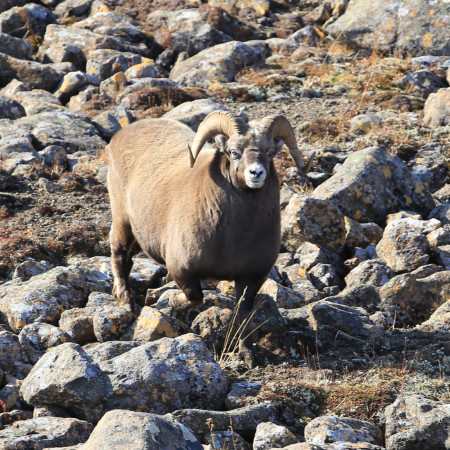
pixel 277 126
pixel 218 122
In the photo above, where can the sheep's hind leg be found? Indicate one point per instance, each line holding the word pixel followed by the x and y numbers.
pixel 192 294
pixel 122 243
pixel 246 291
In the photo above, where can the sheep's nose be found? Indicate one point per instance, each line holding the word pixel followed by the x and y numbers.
pixel 256 173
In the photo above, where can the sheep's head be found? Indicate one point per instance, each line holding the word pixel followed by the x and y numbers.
pixel 249 149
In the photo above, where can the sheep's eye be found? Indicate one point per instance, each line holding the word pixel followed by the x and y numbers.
pixel 235 154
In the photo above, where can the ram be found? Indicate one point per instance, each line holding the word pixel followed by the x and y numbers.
pixel 204 212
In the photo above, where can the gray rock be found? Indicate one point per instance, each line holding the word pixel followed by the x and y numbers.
pixel 10 109
pixel 373 183
pixel 70 8
pixel 10 393
pixel 437 107
pixel 188 30
pixel 73 83
pixel 308 219
pixel 404 245
pixel 244 420
pixel 103 63
pixel 388 27
pixel 32 18
pixel 371 271
pixel 109 322
pixel 422 83
pixel 439 321
pixel 360 295
pixel 54 156
pixel 44 297
pixel 78 324
pixel 152 325
pixel 284 297
pixel 270 435
pixel 30 268
pixel 192 113
pixel 8 4
pixel 442 213
pixel 37 75
pixel 324 276
pixel 149 431
pixel 298 280
pixel 37 101
pixel 413 297
pixel 36 338
pixel 428 166
pixel 330 318
pixel 158 377
pixel 226 439
pixel 217 64
pixel 327 429
pixel 13 360
pixel 416 422
pixel 241 394
pixel 16 47
pixel 145 69
pixel 361 234
pixel 45 432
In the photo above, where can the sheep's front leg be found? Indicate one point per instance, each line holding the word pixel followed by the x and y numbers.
pixel 122 242
pixel 246 291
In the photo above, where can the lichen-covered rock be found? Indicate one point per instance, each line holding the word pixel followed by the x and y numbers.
pixel 404 245
pixel 152 325
pixel 371 271
pixel 329 318
pixel 359 295
pixel 439 321
pixel 298 280
pixel 192 113
pixel 37 101
pixel 283 296
pixel 244 420
pixel 45 432
pixel 361 234
pixel 37 338
pixel 104 63
pixel 12 46
pixel 188 30
pixel 412 298
pixel 116 428
pixel 74 82
pixel 217 64
pixel 37 75
pixel 13 360
pixel 30 268
pixel 422 82
pixel 226 439
pixel 78 324
pixel 241 394
pixel 10 109
pixel 327 429
pixel 308 219
pixel 158 377
pixel 109 322
pixel 68 8
pixel 437 107
pixel 373 183
pixel 270 435
pixel 410 27
pixel 18 21
pixel 44 297
pixel 416 422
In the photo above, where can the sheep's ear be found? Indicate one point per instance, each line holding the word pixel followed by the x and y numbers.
pixel 277 144
pixel 221 141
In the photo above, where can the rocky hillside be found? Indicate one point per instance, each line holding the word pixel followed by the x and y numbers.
pixel 353 338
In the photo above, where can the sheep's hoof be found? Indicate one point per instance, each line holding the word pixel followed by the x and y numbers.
pixel 126 301
pixel 180 302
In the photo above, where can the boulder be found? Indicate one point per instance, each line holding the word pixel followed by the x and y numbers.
pixel 437 107
pixel 270 435
pixel 44 297
pixel 192 113
pixel 156 377
pixel 309 219
pixel 326 429
pixel 413 297
pixel 188 30
pixel 13 359
pixel 36 101
pixel 36 338
pixel 422 83
pixel 372 183
pixel 45 432
pixel 404 245
pixel 149 431
pixel 103 63
pixel 371 271
pixel 217 64
pixel 16 47
pixel 411 27
pixel 10 109
pixel 417 422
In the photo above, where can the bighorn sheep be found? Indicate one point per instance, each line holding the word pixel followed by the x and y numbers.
pixel 218 219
